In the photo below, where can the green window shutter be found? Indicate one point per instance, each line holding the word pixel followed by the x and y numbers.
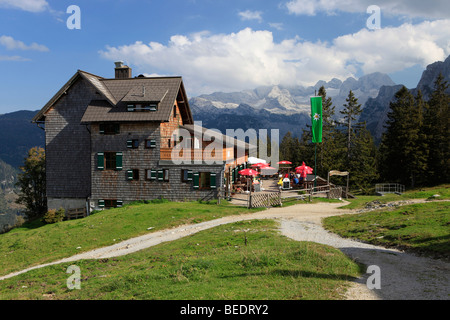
pixel 152 143
pixel 160 175
pixel 129 143
pixel 100 161
pixel 101 203
pixel 212 180
pixel 153 174
pixel 119 156
pixel 119 203
pixel 101 128
pixel 189 175
pixel 129 174
pixel 196 180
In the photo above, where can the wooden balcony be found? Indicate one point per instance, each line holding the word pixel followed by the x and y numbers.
pixel 195 155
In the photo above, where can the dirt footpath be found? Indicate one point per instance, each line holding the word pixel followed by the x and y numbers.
pixel 403 276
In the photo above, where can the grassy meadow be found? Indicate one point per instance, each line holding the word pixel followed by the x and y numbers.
pixel 422 228
pixel 37 243
pixel 244 260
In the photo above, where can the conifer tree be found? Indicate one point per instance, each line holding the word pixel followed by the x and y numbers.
pixel 419 163
pixel 363 165
pixel 437 128
pixel 401 158
pixel 352 110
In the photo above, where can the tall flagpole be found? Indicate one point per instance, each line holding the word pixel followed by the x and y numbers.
pixel 315 165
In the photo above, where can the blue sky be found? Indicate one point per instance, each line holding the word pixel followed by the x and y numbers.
pixel 215 45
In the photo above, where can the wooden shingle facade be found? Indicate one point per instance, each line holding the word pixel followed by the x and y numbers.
pixel 112 141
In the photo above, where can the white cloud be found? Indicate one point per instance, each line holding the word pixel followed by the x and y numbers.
pixel 248 58
pixel 251 15
pixel 12 44
pixel 436 9
pixel 13 58
pixel 394 49
pixel 26 5
pixel 276 25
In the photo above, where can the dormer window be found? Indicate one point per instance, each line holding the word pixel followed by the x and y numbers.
pixel 152 107
pixel 142 107
pixel 109 128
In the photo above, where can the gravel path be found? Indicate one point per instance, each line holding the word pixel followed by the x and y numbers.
pixel 403 276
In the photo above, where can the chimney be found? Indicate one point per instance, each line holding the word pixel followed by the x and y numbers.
pixel 122 71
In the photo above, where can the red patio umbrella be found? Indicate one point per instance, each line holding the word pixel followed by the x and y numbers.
pixel 248 172
pixel 304 170
pixel 284 162
pixel 260 165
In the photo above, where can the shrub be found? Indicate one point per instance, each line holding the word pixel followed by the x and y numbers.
pixel 53 215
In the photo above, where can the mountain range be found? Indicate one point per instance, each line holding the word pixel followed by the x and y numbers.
pixel 288 108
pixel 279 107
pixel 376 109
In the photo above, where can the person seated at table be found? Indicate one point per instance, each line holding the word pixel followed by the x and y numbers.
pixel 296 181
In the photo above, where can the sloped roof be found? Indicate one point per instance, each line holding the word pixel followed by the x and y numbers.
pixel 164 91
pixel 208 133
pixel 118 93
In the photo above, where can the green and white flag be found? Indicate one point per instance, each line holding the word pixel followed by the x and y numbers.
pixel 316 119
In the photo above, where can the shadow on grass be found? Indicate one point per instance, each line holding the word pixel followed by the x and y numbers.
pixel 295 274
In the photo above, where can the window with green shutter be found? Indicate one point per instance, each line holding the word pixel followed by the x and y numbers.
pixel 100 161
pixel 129 174
pixel 109 160
pixel 212 180
pixel 186 175
pixel 150 174
pixel 160 175
pixel 133 174
pixel 133 144
pixel 150 143
pixel 119 203
pixel 101 203
pixel 196 179
pixel 119 156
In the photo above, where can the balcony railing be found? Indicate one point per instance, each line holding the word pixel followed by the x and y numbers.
pixel 195 154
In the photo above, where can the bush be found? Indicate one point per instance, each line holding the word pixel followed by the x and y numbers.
pixel 53 215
